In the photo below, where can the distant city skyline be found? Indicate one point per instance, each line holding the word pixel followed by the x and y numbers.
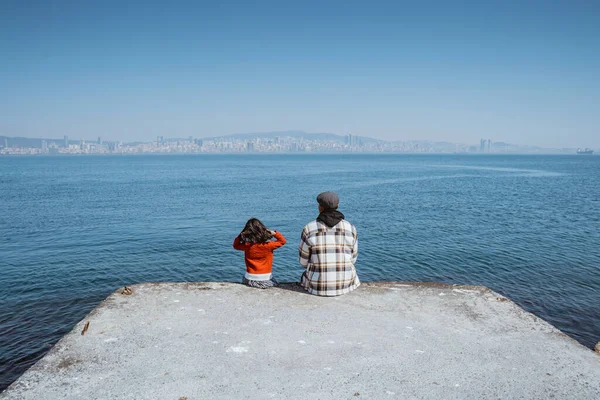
pixel 267 142
pixel 477 143
pixel 518 72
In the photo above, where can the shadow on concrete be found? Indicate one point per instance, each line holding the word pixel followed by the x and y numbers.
pixel 289 286
pixel 293 287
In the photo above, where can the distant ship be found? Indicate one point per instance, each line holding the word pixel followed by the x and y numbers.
pixel 585 151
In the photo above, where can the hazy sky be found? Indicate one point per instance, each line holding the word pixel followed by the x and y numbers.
pixel 523 72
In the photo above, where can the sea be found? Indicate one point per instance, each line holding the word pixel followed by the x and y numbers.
pixel 73 229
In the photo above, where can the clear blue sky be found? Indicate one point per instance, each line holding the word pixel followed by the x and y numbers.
pixel 525 72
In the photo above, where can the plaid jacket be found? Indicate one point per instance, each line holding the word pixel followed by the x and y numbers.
pixel 329 254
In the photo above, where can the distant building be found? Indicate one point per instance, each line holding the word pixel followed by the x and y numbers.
pixel 66 142
pixel 99 140
pixel 44 147
pixel 191 139
pixel 250 147
pixel 52 148
pixel 485 145
pixel 352 141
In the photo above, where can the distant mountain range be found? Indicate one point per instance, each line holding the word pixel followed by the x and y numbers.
pixel 293 134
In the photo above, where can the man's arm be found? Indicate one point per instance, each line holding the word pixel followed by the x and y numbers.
pixel 355 247
pixel 304 249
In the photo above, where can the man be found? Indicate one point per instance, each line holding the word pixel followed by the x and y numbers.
pixel 328 250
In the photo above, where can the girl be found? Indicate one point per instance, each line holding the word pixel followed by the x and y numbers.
pixel 254 240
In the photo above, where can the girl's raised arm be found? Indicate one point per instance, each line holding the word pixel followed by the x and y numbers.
pixel 237 244
pixel 279 240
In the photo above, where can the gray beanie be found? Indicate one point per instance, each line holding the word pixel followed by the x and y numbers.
pixel 328 200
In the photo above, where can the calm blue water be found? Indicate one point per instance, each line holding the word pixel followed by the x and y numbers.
pixel 73 229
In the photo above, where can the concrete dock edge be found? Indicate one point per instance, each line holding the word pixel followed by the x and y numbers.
pixel 217 340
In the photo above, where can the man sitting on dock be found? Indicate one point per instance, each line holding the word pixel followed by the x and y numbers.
pixel 328 250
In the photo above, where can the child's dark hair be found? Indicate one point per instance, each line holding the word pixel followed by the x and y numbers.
pixel 255 232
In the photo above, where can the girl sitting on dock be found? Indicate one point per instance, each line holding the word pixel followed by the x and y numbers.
pixel 255 241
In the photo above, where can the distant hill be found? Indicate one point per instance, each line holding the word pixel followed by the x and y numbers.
pixel 36 143
pixel 29 142
pixel 293 134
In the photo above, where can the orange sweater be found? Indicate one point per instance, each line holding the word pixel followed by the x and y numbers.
pixel 259 256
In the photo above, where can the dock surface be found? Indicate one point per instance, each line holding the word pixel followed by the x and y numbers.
pixel 187 341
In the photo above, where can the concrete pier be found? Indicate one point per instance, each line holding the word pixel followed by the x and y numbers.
pixel 383 341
